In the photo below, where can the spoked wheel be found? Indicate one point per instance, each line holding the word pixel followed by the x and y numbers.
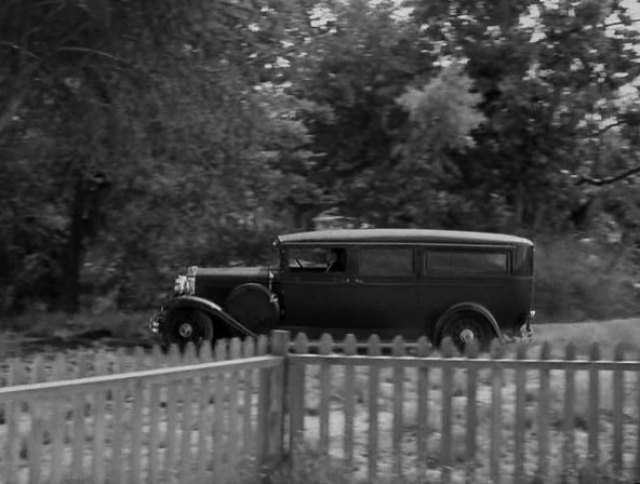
pixel 188 325
pixel 465 328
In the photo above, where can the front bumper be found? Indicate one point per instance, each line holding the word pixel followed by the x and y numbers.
pixel 526 330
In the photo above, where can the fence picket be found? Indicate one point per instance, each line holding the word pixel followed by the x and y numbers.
pixel 154 432
pixel 568 447
pixel 374 388
pixel 263 405
pixel 219 431
pixel 423 407
pixel 297 395
pixel 543 416
pixel 173 355
pixel 204 354
pixel 350 348
pixel 594 406
pixel 326 346
pixel 398 350
pixel 117 469
pixel 446 443
pixel 79 404
pixel 279 347
pixel 187 409
pixel 156 356
pixel 120 362
pixel 58 423
pixel 496 415
pixel 137 403
pixel 170 432
pixel 99 408
pixel 35 442
pixel 618 405
pixel 235 352
pixel 37 418
pixel 37 370
pixel 204 427
pixel 249 449
pixel 519 424
pixel 471 351
pixel 637 467
pixel 189 356
pixel 12 415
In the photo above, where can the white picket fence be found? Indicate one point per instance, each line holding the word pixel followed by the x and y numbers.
pixel 373 412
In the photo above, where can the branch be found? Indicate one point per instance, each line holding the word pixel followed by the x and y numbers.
pixel 626 24
pixel 604 129
pixel 608 180
pixel 99 53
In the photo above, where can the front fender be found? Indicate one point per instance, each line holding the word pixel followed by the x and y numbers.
pixel 468 306
pixel 209 307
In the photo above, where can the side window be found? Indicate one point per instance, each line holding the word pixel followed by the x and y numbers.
pixel 385 262
pixel 317 259
pixel 467 262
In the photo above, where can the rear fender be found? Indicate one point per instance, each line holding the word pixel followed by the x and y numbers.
pixel 210 308
pixel 472 307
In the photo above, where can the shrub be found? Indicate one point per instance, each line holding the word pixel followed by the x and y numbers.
pixel 578 280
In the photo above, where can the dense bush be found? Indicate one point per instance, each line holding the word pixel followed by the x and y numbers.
pixel 582 279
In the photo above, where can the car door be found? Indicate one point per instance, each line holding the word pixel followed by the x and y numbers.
pixel 384 292
pixel 313 289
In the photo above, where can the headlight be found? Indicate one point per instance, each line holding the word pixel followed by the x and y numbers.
pixel 191 280
pixel 186 285
pixel 180 286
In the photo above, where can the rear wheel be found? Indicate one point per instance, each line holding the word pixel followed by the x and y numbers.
pixel 186 325
pixel 465 327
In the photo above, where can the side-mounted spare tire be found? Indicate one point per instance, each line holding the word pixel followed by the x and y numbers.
pixel 254 306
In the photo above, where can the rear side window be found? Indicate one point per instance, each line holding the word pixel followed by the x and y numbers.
pixel 385 262
pixel 466 262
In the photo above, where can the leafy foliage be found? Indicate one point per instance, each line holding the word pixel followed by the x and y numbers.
pixel 139 137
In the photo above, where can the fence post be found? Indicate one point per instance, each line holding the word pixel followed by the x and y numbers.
pixel 270 405
pixel 280 347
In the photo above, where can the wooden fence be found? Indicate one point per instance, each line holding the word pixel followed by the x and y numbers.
pixel 422 417
pixel 196 419
pixel 370 412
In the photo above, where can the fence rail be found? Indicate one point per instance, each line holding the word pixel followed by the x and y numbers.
pixel 207 420
pixel 446 418
pixel 398 411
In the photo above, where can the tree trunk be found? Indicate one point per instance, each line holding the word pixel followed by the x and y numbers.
pixel 73 251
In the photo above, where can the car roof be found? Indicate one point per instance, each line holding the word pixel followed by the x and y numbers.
pixel 401 236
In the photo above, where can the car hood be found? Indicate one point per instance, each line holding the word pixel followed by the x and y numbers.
pixel 233 274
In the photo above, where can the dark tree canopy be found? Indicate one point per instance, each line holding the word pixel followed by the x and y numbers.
pixel 138 137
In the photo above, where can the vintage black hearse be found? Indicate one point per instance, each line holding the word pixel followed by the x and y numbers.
pixel 409 282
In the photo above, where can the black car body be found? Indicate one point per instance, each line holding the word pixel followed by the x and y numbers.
pixel 410 282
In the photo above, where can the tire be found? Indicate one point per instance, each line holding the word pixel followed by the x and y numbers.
pixel 185 325
pixel 254 306
pixel 466 326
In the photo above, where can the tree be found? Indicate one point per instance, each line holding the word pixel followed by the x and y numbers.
pixel 551 76
pixel 133 123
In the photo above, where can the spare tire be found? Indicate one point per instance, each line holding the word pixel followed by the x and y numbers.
pixel 254 306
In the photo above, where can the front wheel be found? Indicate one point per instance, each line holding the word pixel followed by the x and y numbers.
pixel 465 327
pixel 185 325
